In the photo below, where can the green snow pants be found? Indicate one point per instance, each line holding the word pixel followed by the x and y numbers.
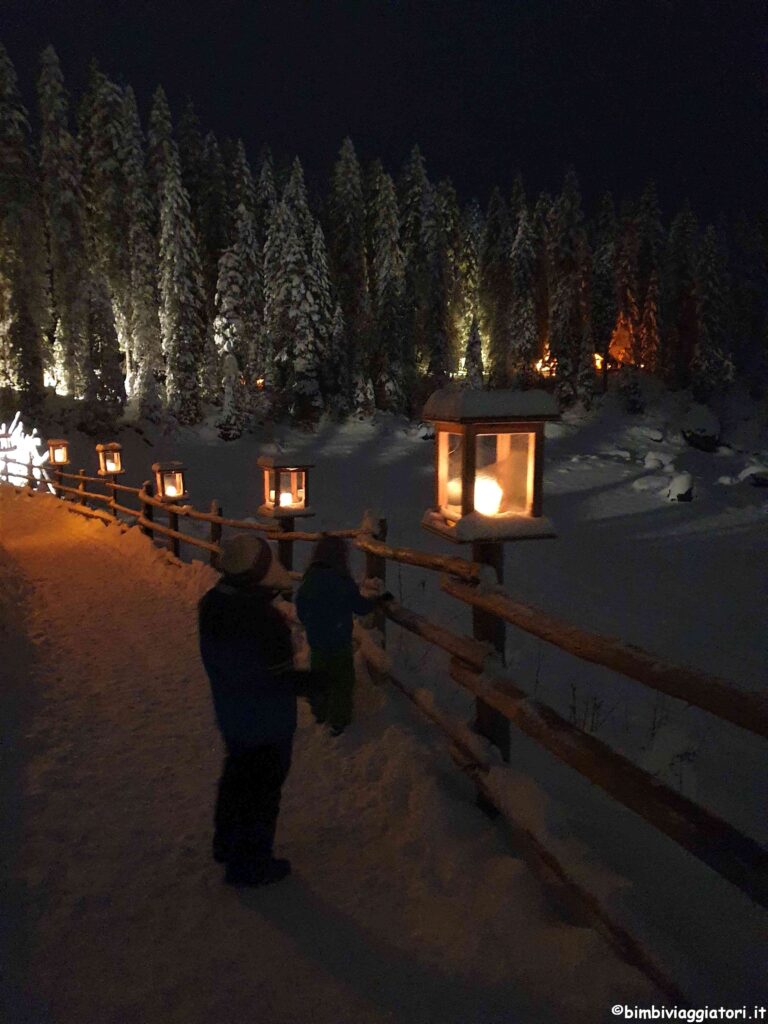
pixel 332 702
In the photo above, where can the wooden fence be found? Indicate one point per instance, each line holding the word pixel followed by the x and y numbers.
pixel 475 665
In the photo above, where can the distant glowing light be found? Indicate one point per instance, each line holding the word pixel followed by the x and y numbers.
pixel 19 450
pixel 546 366
pixel 488 496
pixel 598 361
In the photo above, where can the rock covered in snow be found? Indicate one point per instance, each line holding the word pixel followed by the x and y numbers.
pixel 701 428
pixel 756 474
pixel 504 403
pixel 680 487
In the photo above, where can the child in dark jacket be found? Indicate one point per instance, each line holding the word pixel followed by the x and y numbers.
pixel 325 603
pixel 246 648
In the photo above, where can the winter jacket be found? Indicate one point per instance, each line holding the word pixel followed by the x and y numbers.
pixel 325 604
pixel 245 644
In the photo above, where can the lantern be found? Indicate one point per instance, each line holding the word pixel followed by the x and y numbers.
pixel 169 481
pixel 489 464
pixel 58 452
pixel 285 487
pixel 110 459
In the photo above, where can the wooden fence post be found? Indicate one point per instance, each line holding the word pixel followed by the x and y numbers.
pixel 490 628
pixel 173 522
pixel 57 480
pixel 216 510
pixel 31 475
pixel 285 547
pixel 376 569
pixel 147 510
pixel 81 486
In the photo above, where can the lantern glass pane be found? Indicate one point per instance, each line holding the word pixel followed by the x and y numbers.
pixel 449 463
pixel 504 473
pixel 59 454
pixel 173 485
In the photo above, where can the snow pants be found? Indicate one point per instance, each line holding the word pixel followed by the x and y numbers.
pixel 332 701
pixel 248 804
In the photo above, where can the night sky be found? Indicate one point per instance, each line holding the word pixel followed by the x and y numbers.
pixel 667 89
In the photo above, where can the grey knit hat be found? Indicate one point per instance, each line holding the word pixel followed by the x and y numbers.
pixel 245 552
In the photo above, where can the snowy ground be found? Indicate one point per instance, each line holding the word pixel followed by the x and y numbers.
pixel 406 904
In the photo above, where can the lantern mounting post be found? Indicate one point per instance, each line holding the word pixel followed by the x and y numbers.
pixel 489 455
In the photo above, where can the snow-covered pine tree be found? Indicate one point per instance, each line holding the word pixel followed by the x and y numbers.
pixel 65 218
pixel 517 204
pixel 299 310
pixel 627 290
pixel 159 144
pixel 436 341
pixel 413 189
pixel 213 217
pixel 473 357
pixel 295 195
pixel 144 326
pixel 232 416
pixel 468 300
pixel 649 324
pixel 712 366
pixel 388 292
pixel 604 290
pixel 567 291
pixel 277 330
pixel 266 199
pixel 182 296
pixel 679 312
pixel 347 253
pixel 190 143
pixel 237 325
pixel 496 286
pixel 522 332
pixel 22 247
pixel 243 189
pixel 105 187
pixel 650 240
pixel 338 362
pixel 541 221
pixel 320 287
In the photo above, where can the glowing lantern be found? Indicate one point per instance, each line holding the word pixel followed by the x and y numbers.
pixel 169 481
pixel 489 463
pixel 58 452
pixel 285 487
pixel 110 459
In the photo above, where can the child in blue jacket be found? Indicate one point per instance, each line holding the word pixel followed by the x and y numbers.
pixel 325 603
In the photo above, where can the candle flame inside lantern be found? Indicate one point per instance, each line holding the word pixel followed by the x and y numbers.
pixel 285 498
pixel 488 496
pixel 111 465
pixel 59 455
pixel 171 490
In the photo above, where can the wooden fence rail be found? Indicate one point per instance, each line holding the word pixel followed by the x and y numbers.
pixel 744 709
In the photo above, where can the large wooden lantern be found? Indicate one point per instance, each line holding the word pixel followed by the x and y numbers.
pixel 285 488
pixel 110 459
pixel 58 452
pixel 169 481
pixel 489 452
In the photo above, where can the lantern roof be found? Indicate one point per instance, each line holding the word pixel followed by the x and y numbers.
pixel 167 467
pixel 283 461
pixel 56 440
pixel 468 405
pixel 110 446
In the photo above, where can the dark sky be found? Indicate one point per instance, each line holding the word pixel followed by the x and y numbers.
pixel 670 89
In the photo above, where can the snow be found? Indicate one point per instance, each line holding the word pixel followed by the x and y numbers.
pixel 406 904
pixel 501 527
pixel 468 403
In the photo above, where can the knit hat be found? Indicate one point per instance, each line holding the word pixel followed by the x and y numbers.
pixel 247 553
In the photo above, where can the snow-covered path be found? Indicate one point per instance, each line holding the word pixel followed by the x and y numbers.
pixel 405 904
